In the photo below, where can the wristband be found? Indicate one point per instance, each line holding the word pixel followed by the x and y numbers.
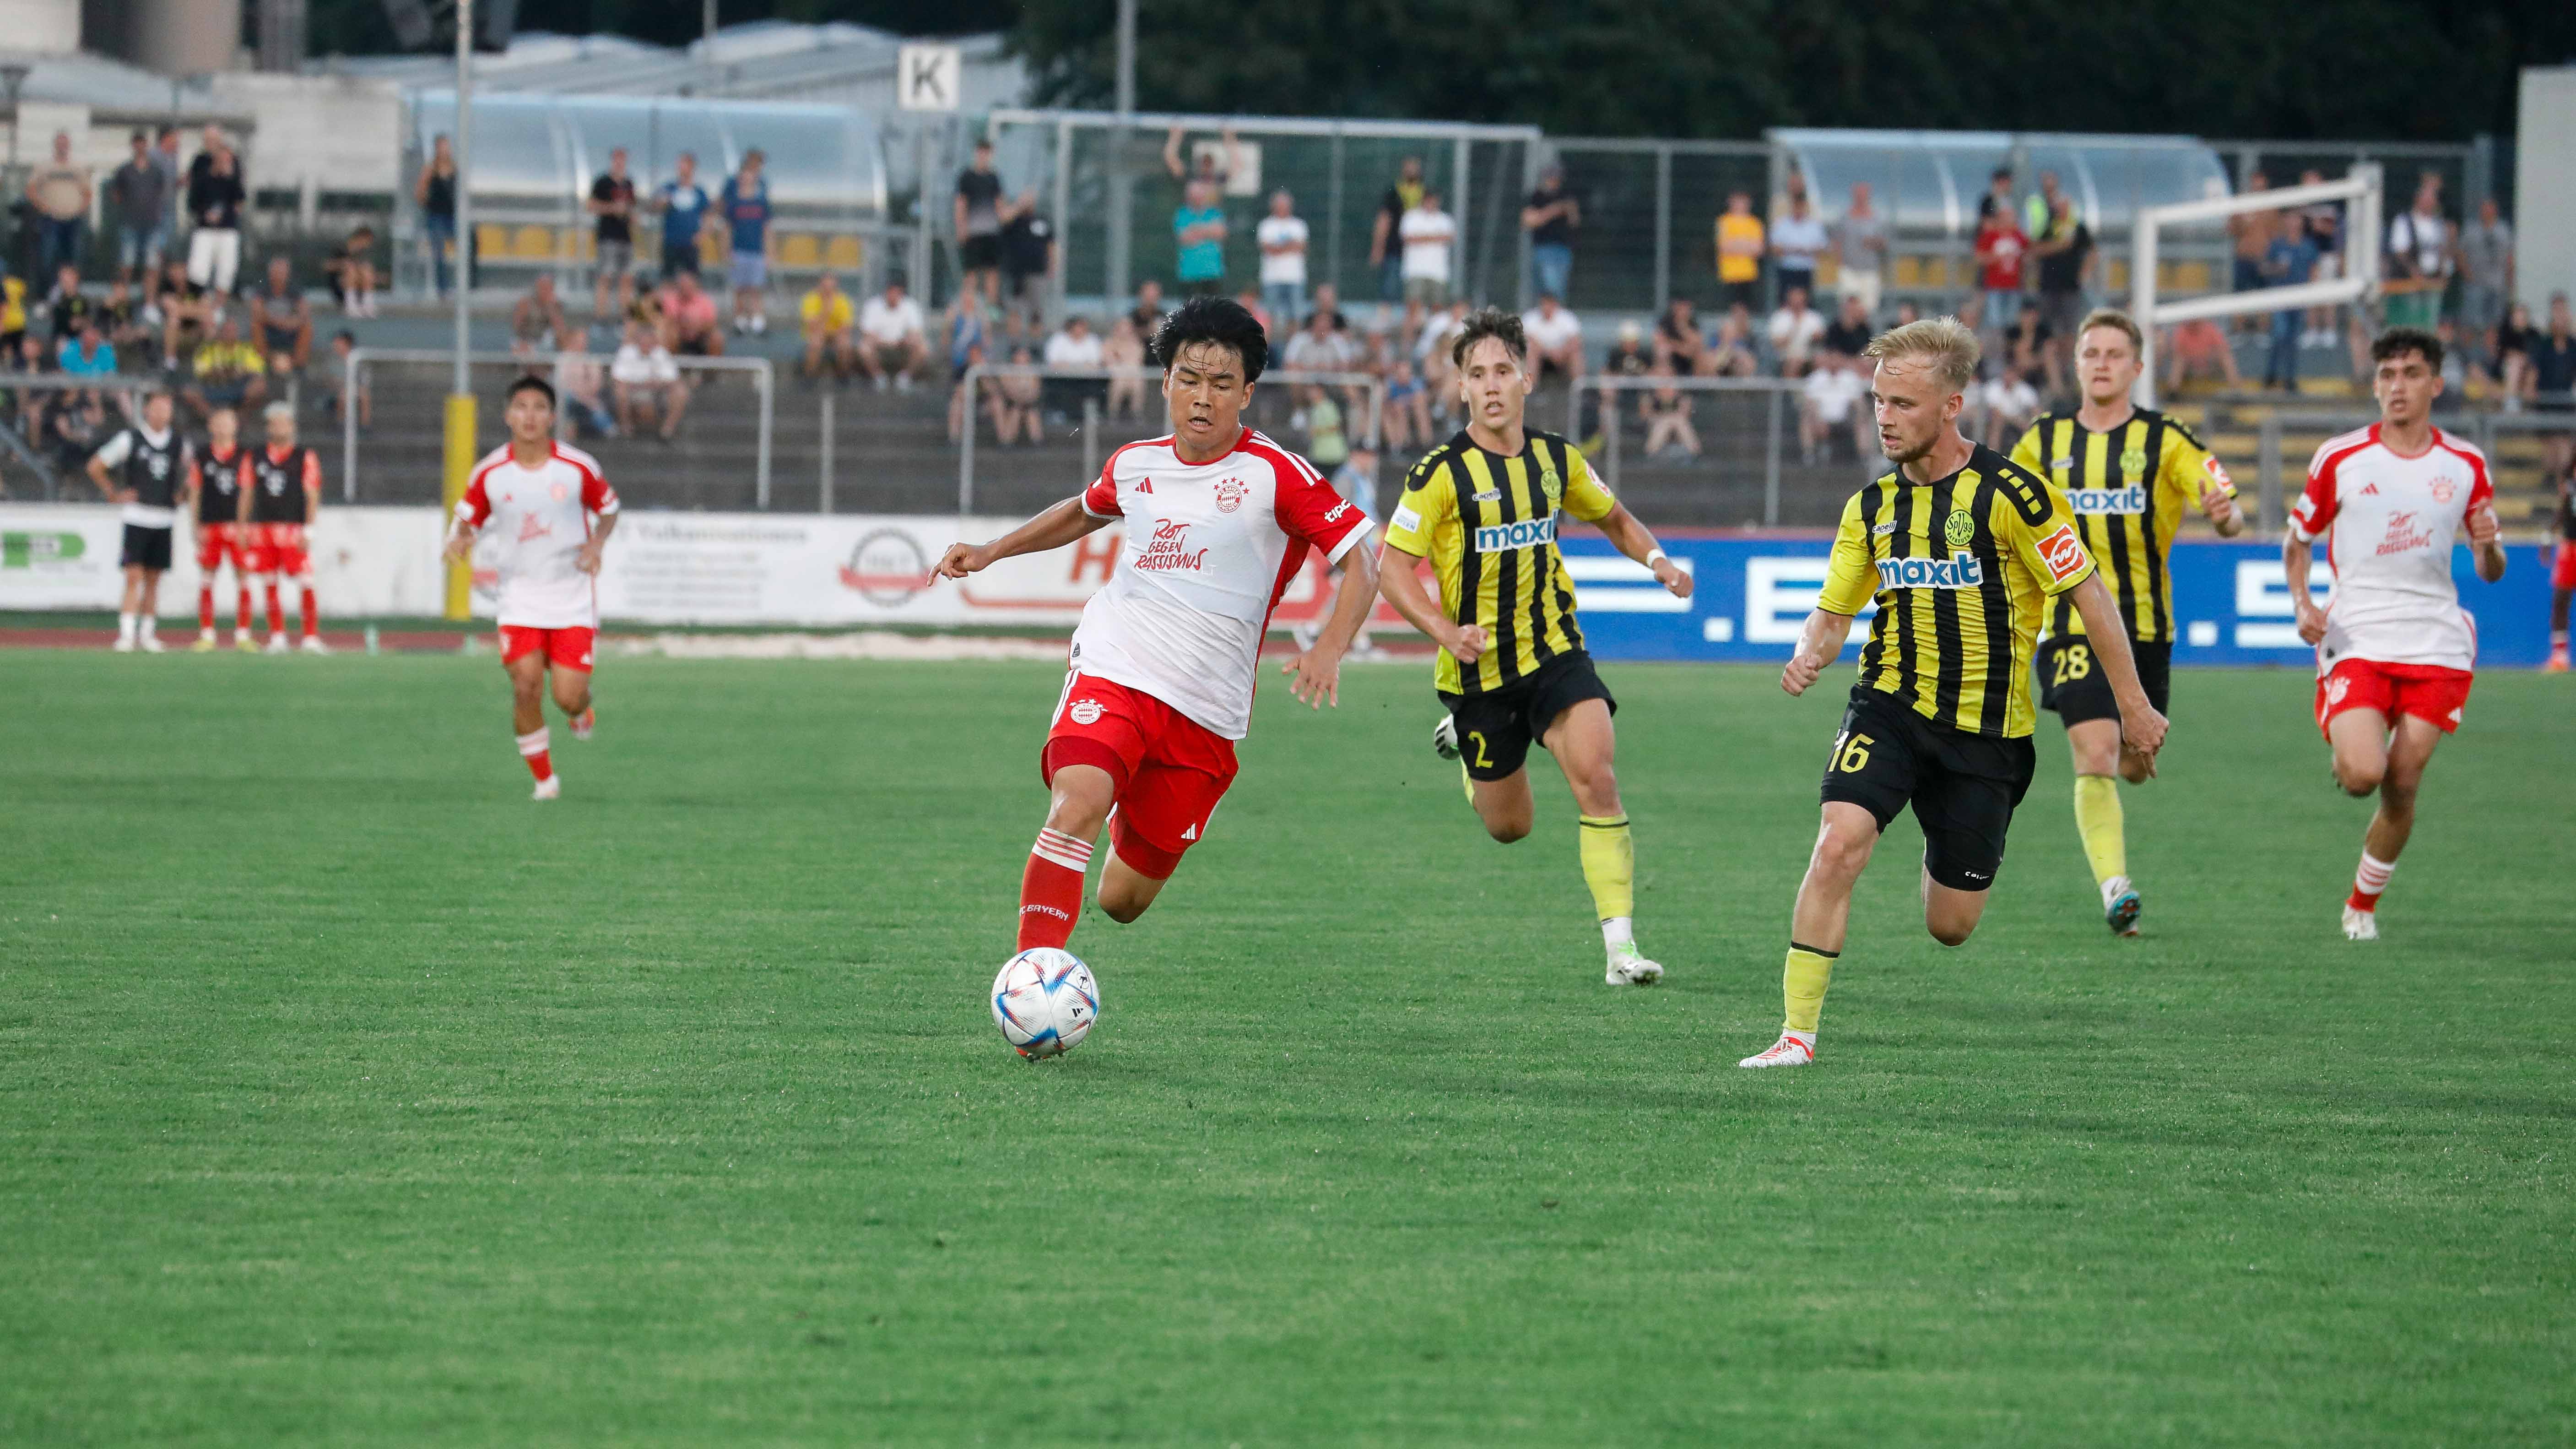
pixel 1654 557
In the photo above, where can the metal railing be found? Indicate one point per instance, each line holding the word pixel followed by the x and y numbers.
pixel 1778 407
pixel 28 454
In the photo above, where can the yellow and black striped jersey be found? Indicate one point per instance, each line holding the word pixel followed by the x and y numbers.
pixel 1488 524
pixel 2130 488
pixel 1962 568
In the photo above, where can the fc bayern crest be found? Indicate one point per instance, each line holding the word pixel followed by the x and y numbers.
pixel 2444 489
pixel 1230 493
pixel 561 493
pixel 1084 712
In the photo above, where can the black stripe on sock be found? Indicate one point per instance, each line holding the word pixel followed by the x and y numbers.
pixel 1812 951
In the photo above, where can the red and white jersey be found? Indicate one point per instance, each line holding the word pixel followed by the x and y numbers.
pixel 537 519
pixel 2389 523
pixel 1208 549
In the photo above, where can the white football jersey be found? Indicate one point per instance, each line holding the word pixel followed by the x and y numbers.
pixel 537 519
pixel 2389 523
pixel 1207 550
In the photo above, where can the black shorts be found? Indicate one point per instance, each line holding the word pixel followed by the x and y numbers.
pixel 145 548
pixel 1963 786
pixel 2071 681
pixel 1495 728
pixel 980 253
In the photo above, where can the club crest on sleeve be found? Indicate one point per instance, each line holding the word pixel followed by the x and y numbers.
pixel 2062 552
pixel 1083 711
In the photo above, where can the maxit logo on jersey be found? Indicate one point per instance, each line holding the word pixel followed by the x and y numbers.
pixel 1526 534
pixel 1959 571
pixel 2107 500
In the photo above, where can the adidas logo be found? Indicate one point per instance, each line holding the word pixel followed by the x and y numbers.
pixel 1190 834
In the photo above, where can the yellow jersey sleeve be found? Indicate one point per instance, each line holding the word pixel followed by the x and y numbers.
pixel 2189 467
pixel 2027 451
pixel 1851 577
pixel 2037 526
pixel 1428 505
pixel 1585 496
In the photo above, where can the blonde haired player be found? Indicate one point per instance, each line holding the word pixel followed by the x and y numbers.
pixel 551 510
pixel 2396 653
pixel 1962 549
pixel 2129 473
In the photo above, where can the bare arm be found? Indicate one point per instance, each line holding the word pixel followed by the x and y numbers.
pixel 2221 510
pixel 1399 585
pixel 2486 543
pixel 2142 730
pixel 98 474
pixel 1172 156
pixel 1054 528
pixel 1635 540
pixel 2297 554
pixel 1820 642
pixel 1319 670
pixel 588 562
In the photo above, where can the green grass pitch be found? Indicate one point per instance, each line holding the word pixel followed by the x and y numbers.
pixel 348 1097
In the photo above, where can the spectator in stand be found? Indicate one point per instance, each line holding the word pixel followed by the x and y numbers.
pixel 646 380
pixel 72 424
pixel 1408 407
pixel 537 318
pixel 891 345
pixel 825 318
pixel 2290 261
pixel 2027 345
pixel 1147 315
pixel 689 318
pixel 1741 241
pixel 434 190
pixel 228 372
pixel 2515 338
pixel 1666 412
pixel 1630 356
pixel 1400 198
pixel 1198 241
pixel 967 337
pixel 1028 258
pixel 346 394
pixel 2422 254
pixel 1431 357
pixel 138 199
pixel 2251 233
pixel 1860 251
pixel 2553 377
pixel 1998 197
pixel 1555 337
pixel 67 307
pixel 1328 443
pixel 1731 345
pixel 1848 334
pixel 88 355
pixel 1014 404
pixel 2324 225
pixel 2486 274
pixel 1429 234
pixel 281 317
pixel 1205 169
pixel 1551 217
pixel 612 211
pixel 2198 350
pixel 2038 208
pixel 1829 403
pixel 2011 406
pixel 1319 347
pixel 1798 239
pixel 59 192
pixel 2065 256
pixel 1678 344
pixel 1907 314
pixel 1123 348
pixel 1282 236
pixel 120 317
pixel 685 210
pixel 976 213
pixel 351 270
pixel 745 209
pixel 1073 345
pixel 582 383
pixel 188 312
pixel 2001 249
pixel 1795 330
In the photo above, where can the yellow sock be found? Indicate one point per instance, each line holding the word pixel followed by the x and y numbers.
pixel 1609 866
pixel 1802 986
pixel 2097 819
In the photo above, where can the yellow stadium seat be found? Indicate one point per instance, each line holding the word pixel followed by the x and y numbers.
pixel 534 244
pixel 1909 272
pixel 491 240
pixel 843 251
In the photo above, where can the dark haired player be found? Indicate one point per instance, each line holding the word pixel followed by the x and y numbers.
pixel 214 493
pixel 550 511
pixel 143 470
pixel 1217 519
pixel 2395 652
pixel 1512 669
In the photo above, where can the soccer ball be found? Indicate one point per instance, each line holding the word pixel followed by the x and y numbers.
pixel 1045 1002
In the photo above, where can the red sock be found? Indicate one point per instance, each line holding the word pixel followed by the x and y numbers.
pixel 241 618
pixel 312 616
pixel 276 619
pixel 532 748
pixel 1051 889
pixel 206 606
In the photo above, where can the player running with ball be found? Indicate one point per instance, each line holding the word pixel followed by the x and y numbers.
pixel 1963 549
pixel 551 511
pixel 2395 651
pixel 1217 520
pixel 1482 507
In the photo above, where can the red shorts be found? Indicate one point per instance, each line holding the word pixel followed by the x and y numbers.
pixel 2562 572
pixel 2429 692
pixel 565 648
pixel 1169 770
pixel 278 548
pixel 222 543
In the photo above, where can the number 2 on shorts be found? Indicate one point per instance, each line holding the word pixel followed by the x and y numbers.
pixel 1484 760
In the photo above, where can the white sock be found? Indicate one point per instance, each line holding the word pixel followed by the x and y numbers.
pixel 1808 1037
pixel 128 625
pixel 2111 889
pixel 1619 933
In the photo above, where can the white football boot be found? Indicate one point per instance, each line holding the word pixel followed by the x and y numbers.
pixel 548 788
pixel 1627 968
pixel 313 645
pixel 2120 906
pixel 148 641
pixel 2360 925
pixel 278 643
pixel 1789 1051
pixel 1444 737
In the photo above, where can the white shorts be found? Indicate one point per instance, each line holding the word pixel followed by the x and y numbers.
pixel 214 256
pixel 1868 286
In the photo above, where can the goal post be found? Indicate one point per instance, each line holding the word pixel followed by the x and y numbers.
pixel 2359 189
